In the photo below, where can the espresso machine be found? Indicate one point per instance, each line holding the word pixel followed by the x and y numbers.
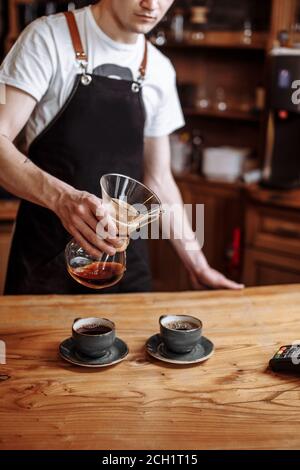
pixel 282 157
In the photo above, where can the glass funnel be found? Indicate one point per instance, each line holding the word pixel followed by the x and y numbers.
pixel 131 204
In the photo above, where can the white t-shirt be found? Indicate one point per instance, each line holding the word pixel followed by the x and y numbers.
pixel 42 63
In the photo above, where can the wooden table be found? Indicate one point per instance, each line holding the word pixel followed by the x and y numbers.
pixel 230 401
pixel 8 212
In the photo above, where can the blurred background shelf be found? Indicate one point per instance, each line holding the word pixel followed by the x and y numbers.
pixel 221 39
pixel 19 13
pixel 228 114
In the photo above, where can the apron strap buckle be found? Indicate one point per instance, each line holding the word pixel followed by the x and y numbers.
pixel 137 84
pixel 85 77
pixel 135 87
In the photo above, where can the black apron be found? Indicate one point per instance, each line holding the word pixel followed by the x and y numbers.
pixel 99 130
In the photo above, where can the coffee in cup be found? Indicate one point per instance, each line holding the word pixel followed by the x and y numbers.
pixel 180 333
pixel 93 336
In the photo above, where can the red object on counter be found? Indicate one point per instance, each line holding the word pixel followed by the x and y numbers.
pixel 283 114
pixel 236 247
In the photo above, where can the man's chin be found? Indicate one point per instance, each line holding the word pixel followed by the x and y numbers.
pixel 142 29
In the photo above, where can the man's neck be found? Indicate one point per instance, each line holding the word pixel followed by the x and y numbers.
pixel 110 25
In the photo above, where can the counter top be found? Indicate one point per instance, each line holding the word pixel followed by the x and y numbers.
pixel 230 401
pixel 8 209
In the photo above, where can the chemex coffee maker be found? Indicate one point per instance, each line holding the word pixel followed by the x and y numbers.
pixel 282 162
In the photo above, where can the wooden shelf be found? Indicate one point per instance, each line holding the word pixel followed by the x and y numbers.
pixel 288 198
pixel 222 39
pixel 194 178
pixel 234 114
pixel 14 28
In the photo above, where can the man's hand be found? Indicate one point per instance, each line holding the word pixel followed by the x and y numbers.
pixel 208 277
pixel 84 216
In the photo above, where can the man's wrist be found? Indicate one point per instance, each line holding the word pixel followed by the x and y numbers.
pixel 191 255
pixel 196 261
pixel 55 191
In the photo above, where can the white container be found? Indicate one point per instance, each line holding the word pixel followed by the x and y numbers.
pixel 224 163
pixel 180 155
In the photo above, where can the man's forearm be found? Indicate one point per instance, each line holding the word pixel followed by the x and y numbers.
pixel 24 179
pixel 159 178
pixel 169 194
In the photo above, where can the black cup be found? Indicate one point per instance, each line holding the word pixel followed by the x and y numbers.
pixel 180 333
pixel 93 336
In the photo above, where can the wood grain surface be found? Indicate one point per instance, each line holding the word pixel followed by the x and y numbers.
pixel 232 401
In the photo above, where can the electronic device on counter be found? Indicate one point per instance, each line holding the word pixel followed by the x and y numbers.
pixel 287 358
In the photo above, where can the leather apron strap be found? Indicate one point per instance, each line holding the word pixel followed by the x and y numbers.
pixel 80 54
pixel 75 36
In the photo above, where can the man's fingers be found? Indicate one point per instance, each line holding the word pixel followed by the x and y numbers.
pixel 111 227
pixel 102 215
pixel 90 220
pixel 122 244
pixel 214 280
pixel 106 223
pixel 223 283
pixel 101 212
pixel 85 244
pixel 109 234
pixel 228 284
pixel 93 238
pixel 105 229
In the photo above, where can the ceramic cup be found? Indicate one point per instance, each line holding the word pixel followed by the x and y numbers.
pixel 180 333
pixel 93 336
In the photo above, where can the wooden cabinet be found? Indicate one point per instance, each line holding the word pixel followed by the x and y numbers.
pixel 269 268
pixel 222 217
pixel 273 229
pixel 272 254
pixel 8 210
pixel 5 239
